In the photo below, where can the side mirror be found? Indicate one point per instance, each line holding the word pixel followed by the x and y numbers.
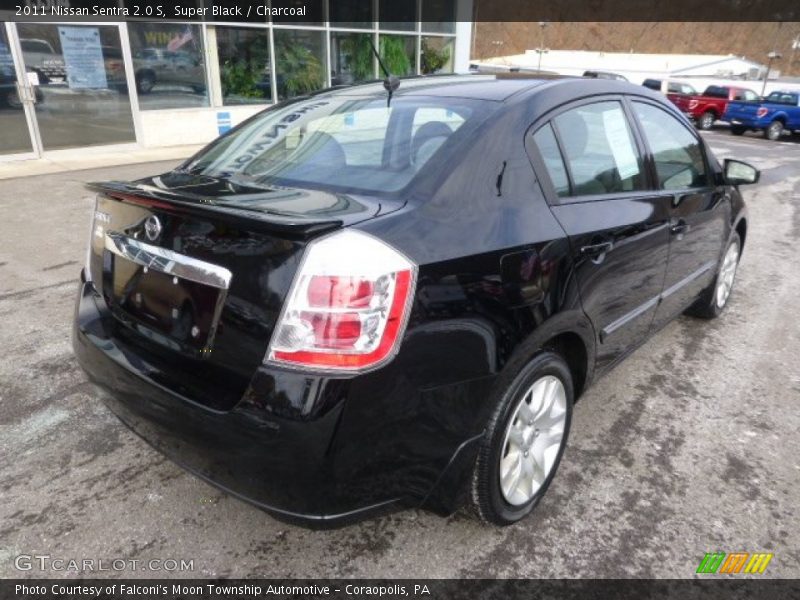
pixel 738 172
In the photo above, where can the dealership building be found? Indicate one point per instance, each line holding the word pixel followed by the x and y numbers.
pixel 155 83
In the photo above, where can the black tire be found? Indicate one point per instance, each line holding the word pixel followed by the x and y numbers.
pixel 487 501
pixel 145 82
pixel 706 120
pixel 738 129
pixel 707 306
pixel 13 101
pixel 774 131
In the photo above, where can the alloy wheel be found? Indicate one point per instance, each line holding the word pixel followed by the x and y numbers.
pixel 727 274
pixel 532 440
pixel 774 130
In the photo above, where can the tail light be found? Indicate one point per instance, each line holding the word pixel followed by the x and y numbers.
pixel 762 112
pixel 348 305
pixel 693 103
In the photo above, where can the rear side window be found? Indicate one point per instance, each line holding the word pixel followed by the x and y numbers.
pixel 782 98
pixel 677 153
pixel 716 91
pixel 545 141
pixel 599 150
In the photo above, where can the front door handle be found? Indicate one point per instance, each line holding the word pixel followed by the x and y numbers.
pixel 597 251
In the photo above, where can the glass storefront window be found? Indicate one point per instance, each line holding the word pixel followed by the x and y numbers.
pixel 350 13
pixel 80 84
pixel 168 65
pixel 300 61
pixel 439 16
pixel 398 15
pixel 244 65
pixel 436 55
pixel 352 59
pixel 15 137
pixel 398 53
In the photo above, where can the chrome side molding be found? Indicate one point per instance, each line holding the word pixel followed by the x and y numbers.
pixel 167 261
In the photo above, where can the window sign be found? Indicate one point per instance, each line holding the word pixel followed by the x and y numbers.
pixel 620 143
pixel 223 122
pixel 83 55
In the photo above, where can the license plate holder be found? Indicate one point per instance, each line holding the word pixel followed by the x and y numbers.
pixel 157 292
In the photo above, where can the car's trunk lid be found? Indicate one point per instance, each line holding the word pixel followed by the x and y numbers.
pixel 194 271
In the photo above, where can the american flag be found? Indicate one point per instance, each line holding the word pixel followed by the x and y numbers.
pixel 180 39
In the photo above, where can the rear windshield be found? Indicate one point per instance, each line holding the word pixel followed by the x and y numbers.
pixel 343 142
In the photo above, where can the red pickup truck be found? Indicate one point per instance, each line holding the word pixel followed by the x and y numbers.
pixel 709 106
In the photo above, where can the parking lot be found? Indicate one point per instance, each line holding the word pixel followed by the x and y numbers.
pixel 689 446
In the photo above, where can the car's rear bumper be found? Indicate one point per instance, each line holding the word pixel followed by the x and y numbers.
pixel 295 468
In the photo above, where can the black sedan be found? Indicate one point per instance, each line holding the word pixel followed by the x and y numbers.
pixel 355 302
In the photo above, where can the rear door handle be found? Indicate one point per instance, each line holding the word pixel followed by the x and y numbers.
pixel 594 250
pixel 679 228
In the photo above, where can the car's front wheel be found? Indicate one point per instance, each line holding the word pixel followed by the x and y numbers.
pixel 524 441
pixel 714 300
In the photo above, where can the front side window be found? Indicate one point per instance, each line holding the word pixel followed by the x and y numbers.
pixel 677 152
pixel 599 149
pixel 745 96
pixel 347 142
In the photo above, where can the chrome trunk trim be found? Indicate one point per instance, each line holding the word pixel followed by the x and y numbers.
pixel 167 261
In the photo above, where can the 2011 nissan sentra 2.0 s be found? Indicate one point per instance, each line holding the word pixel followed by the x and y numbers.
pixel 357 301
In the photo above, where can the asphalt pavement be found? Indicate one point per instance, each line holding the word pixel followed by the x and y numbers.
pixel 689 446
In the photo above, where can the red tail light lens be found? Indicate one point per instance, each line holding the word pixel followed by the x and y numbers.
pixel 348 305
pixel 762 112
pixel 340 292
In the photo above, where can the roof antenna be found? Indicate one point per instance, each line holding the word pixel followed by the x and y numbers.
pixel 390 83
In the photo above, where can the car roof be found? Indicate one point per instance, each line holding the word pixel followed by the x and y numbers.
pixel 541 93
pixel 495 87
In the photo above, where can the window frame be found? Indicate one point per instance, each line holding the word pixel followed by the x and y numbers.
pixel 543 175
pixel 710 173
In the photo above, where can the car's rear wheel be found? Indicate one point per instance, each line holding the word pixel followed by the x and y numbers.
pixel 738 129
pixel 145 82
pixel 714 300
pixel 524 441
pixel 706 120
pixel 773 131
pixel 12 99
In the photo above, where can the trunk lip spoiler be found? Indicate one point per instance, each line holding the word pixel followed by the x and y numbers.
pixel 191 203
